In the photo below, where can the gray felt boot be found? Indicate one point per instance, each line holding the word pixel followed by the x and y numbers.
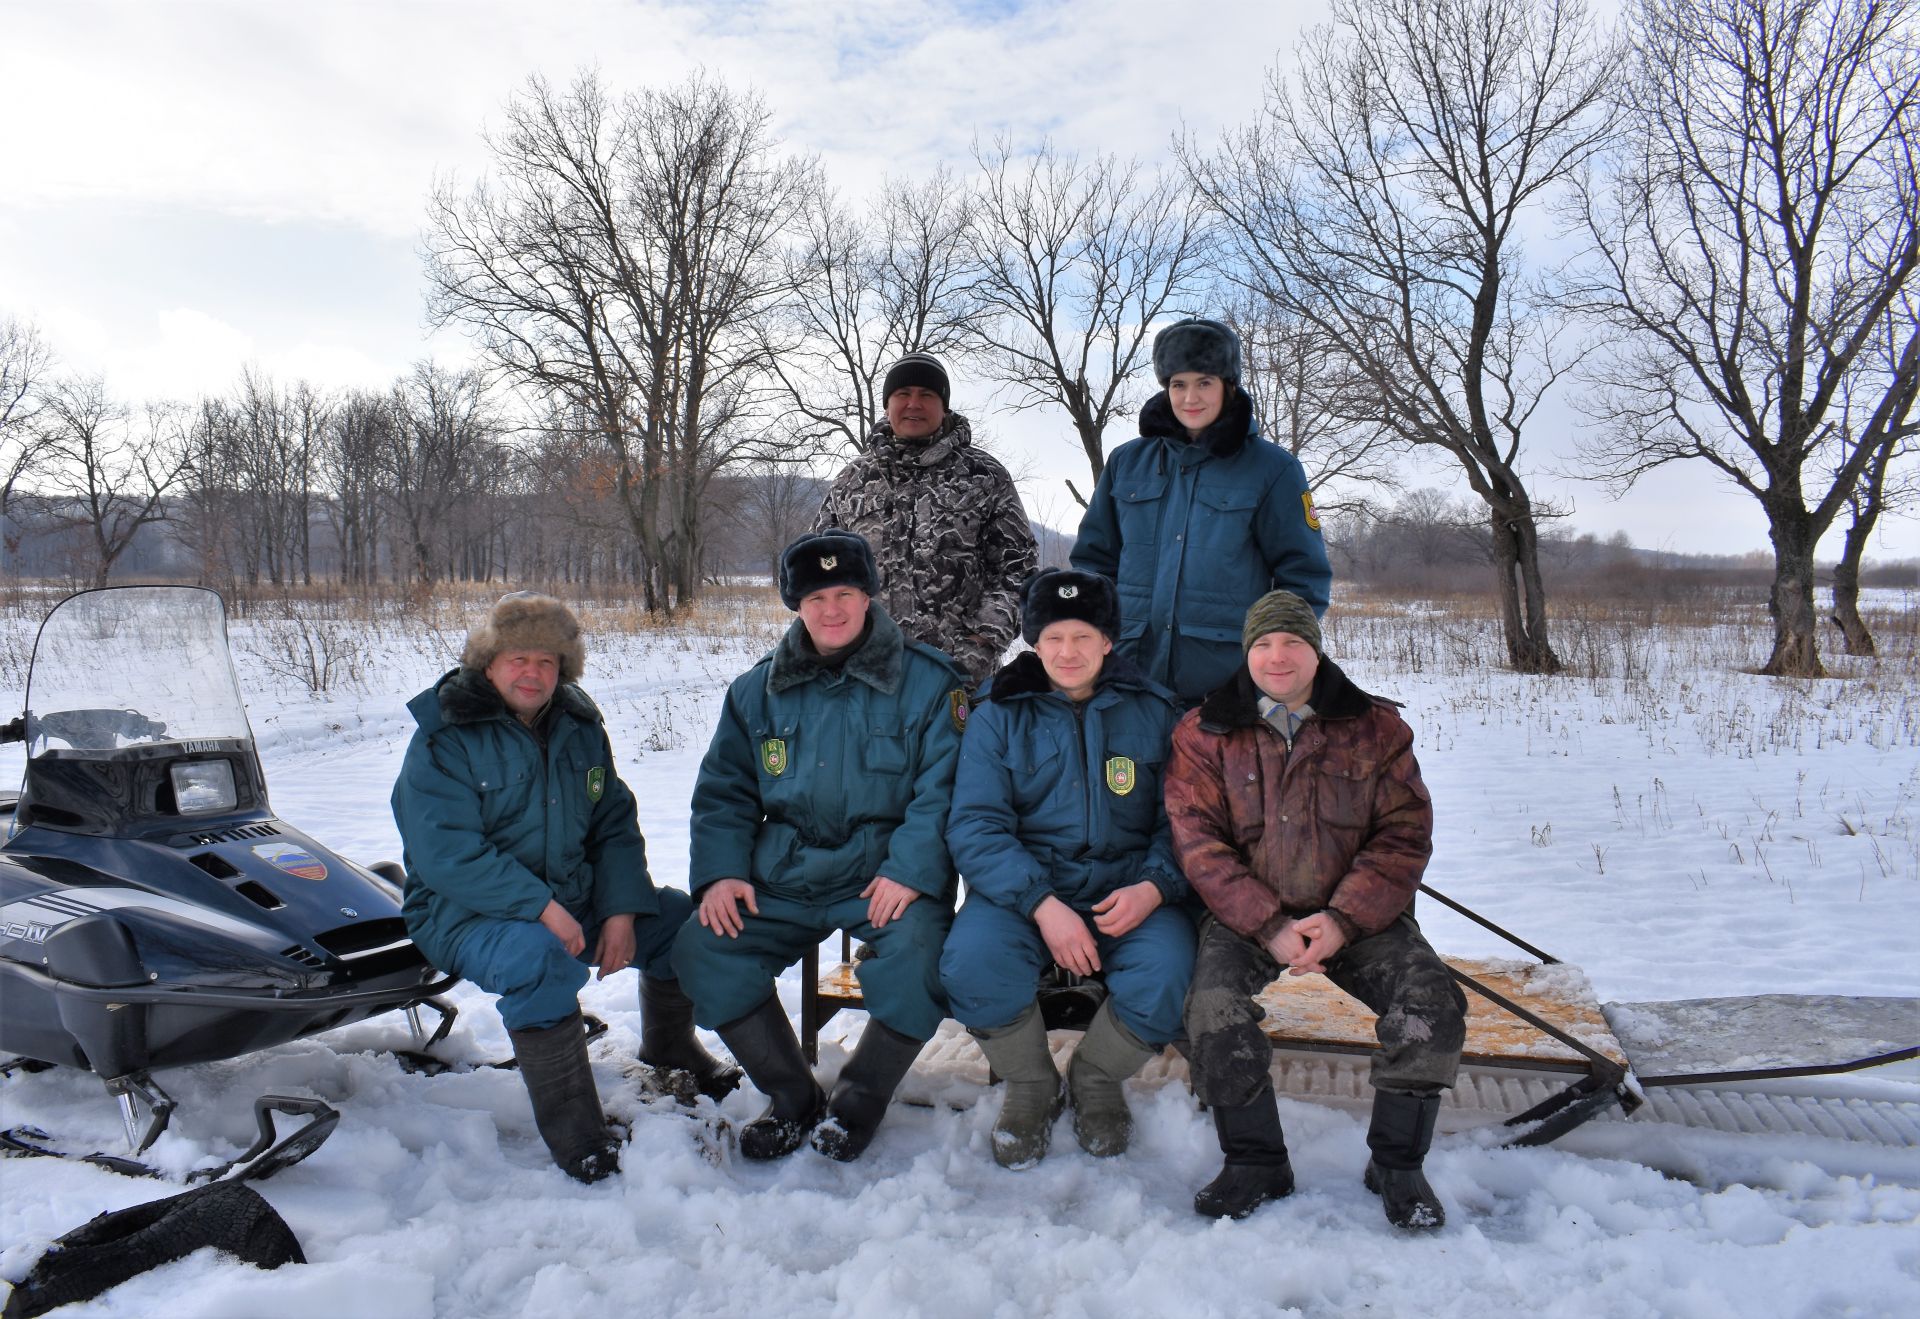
pixel 1108 1054
pixel 1034 1092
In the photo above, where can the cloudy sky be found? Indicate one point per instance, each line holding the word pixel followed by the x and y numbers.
pixel 191 186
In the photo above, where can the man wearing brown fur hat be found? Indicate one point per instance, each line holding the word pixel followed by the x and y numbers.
pixel 525 866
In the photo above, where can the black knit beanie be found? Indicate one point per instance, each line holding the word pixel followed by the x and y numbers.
pixel 922 369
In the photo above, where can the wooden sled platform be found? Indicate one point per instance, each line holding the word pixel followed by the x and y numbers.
pixel 1542 1018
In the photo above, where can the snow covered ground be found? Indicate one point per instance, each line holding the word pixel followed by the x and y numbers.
pixel 1678 828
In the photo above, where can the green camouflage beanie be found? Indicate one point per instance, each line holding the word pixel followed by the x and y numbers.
pixel 1280 611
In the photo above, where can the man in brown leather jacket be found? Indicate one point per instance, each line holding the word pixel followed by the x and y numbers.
pixel 1300 819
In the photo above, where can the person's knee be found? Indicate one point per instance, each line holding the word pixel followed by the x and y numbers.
pixel 1230 1071
pixel 507 957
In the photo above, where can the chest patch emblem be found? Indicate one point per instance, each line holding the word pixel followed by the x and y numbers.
pixel 1121 775
pixel 958 708
pixel 773 755
pixel 1306 504
pixel 596 782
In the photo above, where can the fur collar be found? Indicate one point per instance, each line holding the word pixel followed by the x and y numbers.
pixel 1235 703
pixel 464 696
pixel 1227 435
pixel 1025 675
pixel 879 661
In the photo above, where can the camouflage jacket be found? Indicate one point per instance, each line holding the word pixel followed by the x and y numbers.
pixel 949 536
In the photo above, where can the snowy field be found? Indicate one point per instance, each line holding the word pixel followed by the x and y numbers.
pixel 1675 826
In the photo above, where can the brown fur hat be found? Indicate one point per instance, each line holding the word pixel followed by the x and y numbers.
pixel 527 620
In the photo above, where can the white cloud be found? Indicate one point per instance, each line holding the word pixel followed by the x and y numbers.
pixel 195 186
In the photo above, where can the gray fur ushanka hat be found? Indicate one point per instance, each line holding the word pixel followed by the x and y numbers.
pixel 527 620
pixel 1203 346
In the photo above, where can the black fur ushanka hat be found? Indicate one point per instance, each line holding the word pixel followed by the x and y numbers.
pixel 826 558
pixel 1054 594
pixel 1203 346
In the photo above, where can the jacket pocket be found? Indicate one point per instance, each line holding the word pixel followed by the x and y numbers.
pixel 1037 770
pixel 1230 508
pixel 1346 794
pixel 885 749
pixel 1138 504
pixel 497 776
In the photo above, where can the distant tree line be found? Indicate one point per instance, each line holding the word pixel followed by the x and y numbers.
pixel 1697 230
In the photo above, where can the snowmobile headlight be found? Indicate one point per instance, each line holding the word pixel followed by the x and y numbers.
pixel 202 787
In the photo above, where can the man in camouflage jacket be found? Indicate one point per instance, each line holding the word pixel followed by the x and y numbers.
pixel 950 537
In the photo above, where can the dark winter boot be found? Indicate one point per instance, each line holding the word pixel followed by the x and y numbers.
pixel 566 1107
pixel 667 1041
pixel 865 1088
pixel 763 1042
pixel 1256 1168
pixel 1400 1136
pixel 1034 1092
pixel 1108 1054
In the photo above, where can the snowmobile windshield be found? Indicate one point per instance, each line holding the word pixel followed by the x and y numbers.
pixel 162 647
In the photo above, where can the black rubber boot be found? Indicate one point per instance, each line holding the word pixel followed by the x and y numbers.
pixel 667 1041
pixel 763 1042
pixel 1035 1093
pixel 1400 1136
pixel 1256 1168
pixel 865 1088
pixel 566 1107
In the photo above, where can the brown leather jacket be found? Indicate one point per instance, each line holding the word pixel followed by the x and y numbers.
pixel 1341 823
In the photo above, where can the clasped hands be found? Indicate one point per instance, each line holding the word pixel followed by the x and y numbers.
pixel 1306 945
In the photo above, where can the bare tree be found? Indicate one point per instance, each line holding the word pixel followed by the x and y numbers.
pixel 1308 399
pixel 869 289
pixel 1076 258
pixel 1385 204
pixel 103 477
pixel 347 469
pixel 620 262
pixel 25 364
pixel 1758 227
pixel 1890 431
pixel 439 448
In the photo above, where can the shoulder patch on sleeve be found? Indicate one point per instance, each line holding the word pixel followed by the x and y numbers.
pixel 1306 504
pixel 958 708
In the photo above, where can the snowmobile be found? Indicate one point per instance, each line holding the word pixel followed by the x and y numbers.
pixel 154 913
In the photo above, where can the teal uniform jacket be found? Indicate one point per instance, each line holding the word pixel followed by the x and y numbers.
pixel 1193 532
pixel 819 779
pixel 496 825
pixel 1047 803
